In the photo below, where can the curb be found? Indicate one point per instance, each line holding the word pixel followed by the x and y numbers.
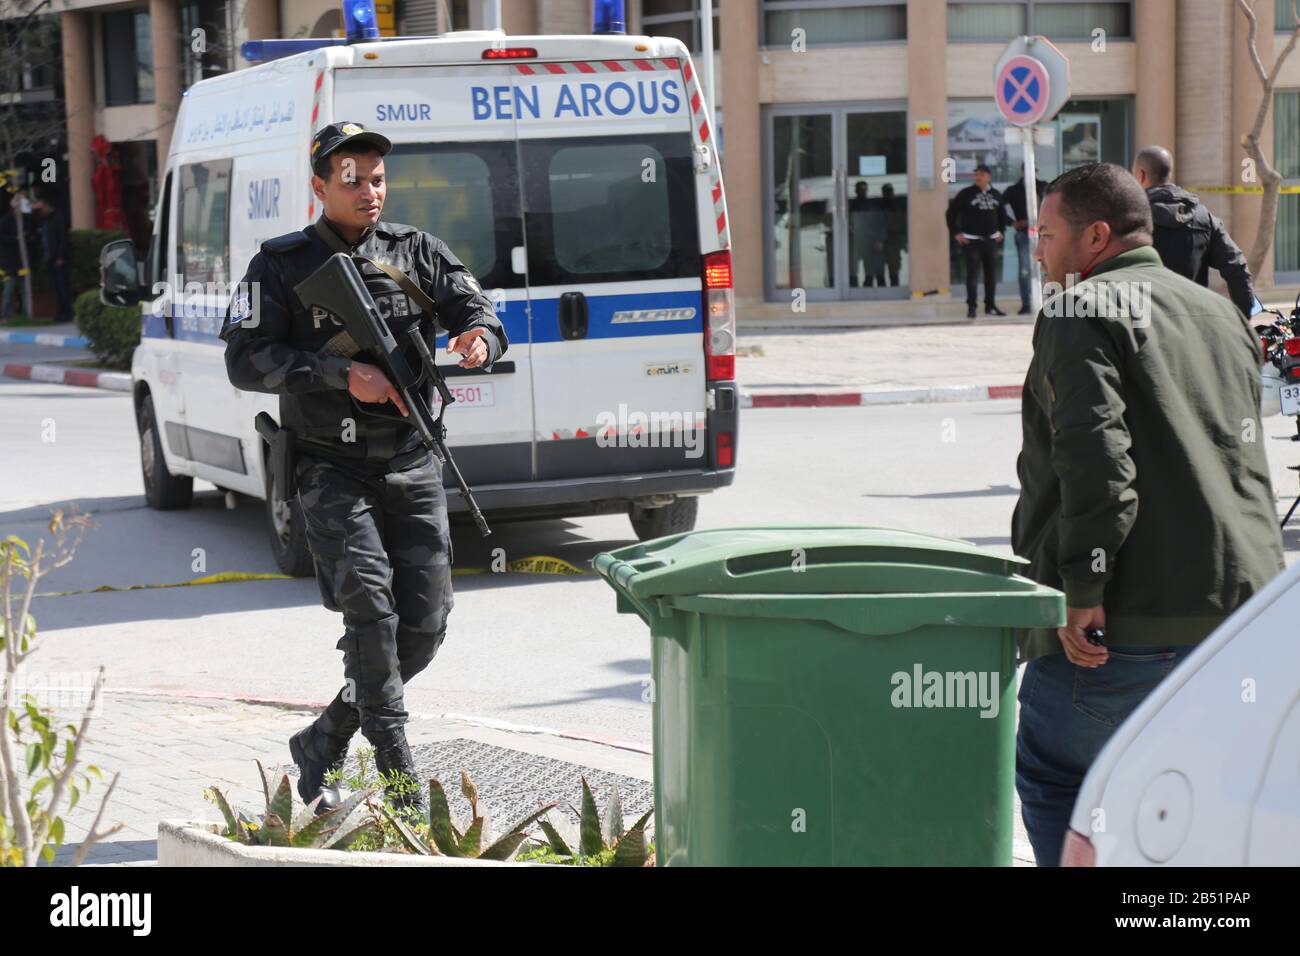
pixel 59 375
pixel 121 382
pixel 880 396
pixel 45 338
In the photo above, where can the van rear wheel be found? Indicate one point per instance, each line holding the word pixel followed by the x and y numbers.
pixel 288 531
pixel 675 518
pixel 162 490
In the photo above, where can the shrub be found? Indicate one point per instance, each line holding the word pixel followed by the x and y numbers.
pixel 112 331
pixel 86 244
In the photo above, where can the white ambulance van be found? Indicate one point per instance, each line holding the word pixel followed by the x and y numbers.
pixel 577 178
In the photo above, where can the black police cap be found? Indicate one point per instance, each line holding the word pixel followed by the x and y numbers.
pixel 331 137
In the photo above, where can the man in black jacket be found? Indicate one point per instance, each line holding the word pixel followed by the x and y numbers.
pixel 976 220
pixel 1017 208
pixel 10 262
pixel 370 494
pixel 56 252
pixel 1189 238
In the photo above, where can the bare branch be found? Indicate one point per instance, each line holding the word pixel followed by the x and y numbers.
pixel 94 836
pixel 1249 10
pixel 61 780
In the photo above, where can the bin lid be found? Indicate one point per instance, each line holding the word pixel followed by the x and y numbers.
pixel 792 559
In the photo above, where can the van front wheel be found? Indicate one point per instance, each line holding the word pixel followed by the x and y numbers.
pixel 288 531
pixel 649 523
pixel 162 490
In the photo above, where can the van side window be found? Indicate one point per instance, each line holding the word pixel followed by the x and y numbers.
pixel 204 222
pixel 161 236
pixel 466 194
pixel 610 208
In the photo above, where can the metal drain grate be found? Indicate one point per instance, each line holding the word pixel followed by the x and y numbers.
pixel 511 784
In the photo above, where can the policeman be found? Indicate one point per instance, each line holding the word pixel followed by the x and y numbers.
pixel 370 493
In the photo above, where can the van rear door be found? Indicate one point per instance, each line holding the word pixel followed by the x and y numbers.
pixel 454 174
pixel 611 226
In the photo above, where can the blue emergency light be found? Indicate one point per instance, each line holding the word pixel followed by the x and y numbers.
pixel 607 17
pixel 359 20
pixel 259 51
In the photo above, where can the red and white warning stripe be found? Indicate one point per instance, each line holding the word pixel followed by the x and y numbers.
pixel 702 132
pixel 315 118
pixel 597 66
pixel 701 129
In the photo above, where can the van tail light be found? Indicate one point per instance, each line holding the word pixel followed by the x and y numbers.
pixel 1078 850
pixel 1293 372
pixel 719 317
pixel 726 457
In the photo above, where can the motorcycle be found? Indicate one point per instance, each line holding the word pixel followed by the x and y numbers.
pixel 1280 370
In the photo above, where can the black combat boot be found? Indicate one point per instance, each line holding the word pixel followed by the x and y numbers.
pixel 393 756
pixel 316 755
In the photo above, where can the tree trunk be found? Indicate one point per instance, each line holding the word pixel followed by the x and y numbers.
pixel 26 271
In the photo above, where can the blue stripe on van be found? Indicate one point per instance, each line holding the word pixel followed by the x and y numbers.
pixel 201 323
pixel 600 315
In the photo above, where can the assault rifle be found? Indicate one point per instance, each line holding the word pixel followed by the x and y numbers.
pixel 337 287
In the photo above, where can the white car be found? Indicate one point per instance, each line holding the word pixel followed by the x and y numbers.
pixel 1206 772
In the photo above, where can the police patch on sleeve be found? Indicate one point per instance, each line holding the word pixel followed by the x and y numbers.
pixel 241 306
pixel 467 280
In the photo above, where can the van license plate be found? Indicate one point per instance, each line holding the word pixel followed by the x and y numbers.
pixel 1290 395
pixel 469 396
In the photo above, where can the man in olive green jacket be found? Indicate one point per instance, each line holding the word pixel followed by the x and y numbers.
pixel 1145 491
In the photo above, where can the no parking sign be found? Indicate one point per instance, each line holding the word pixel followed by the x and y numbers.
pixel 1031 81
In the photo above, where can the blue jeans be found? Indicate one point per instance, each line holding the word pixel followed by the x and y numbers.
pixel 1067 714
pixel 1026 270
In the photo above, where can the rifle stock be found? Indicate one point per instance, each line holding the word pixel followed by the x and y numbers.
pixel 338 287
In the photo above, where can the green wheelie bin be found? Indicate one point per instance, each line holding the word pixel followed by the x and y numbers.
pixel 830 695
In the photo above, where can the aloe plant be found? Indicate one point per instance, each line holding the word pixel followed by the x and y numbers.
pixel 446 840
pixel 280 827
pixel 600 839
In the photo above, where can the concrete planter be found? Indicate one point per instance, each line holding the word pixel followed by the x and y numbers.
pixel 198 843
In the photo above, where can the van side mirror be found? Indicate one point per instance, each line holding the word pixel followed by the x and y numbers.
pixel 120 281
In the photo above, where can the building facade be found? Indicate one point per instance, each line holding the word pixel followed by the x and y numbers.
pixel 845 125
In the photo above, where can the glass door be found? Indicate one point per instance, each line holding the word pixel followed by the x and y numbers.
pixel 803 205
pixel 836 203
pixel 873 174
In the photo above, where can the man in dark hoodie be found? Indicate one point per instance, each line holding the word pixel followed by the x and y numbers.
pixel 1189 238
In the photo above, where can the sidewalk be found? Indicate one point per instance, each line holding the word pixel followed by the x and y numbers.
pixel 168 750
pixel 971 361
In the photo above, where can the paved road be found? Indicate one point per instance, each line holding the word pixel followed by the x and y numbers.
pixel 528 649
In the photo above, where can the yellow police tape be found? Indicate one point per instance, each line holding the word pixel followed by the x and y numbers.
pixel 534 564
pixel 1287 190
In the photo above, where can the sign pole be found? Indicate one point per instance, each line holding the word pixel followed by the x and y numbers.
pixel 1031 209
